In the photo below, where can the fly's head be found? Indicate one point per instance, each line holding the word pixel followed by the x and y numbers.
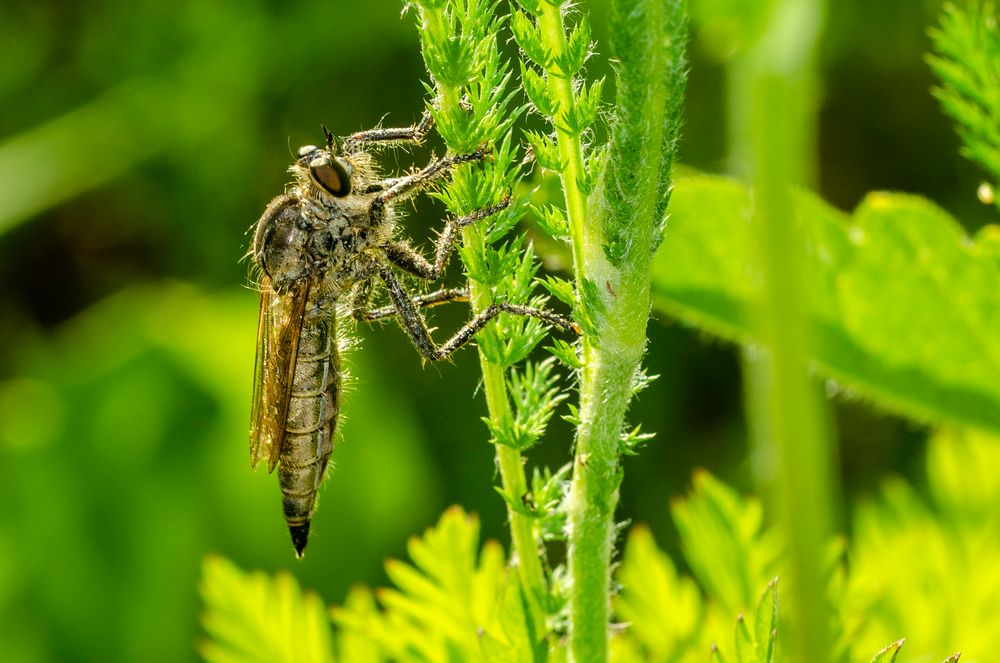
pixel 302 231
pixel 328 176
pixel 320 169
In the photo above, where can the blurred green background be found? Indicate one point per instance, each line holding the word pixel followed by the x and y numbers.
pixel 138 143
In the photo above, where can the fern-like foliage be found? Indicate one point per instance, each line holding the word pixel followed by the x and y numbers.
pixel 725 543
pixel 252 617
pixel 967 61
pixel 453 602
pixel 912 573
pixel 759 642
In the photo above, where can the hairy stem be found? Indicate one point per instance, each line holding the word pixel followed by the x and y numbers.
pixel 553 34
pixel 613 247
pixel 510 462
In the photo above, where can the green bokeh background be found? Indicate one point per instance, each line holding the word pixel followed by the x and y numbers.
pixel 138 143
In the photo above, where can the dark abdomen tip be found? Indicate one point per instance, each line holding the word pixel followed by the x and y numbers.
pixel 300 537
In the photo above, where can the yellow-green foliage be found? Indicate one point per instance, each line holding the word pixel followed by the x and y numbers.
pixel 919 568
pixel 453 602
pixel 926 568
pixel 253 617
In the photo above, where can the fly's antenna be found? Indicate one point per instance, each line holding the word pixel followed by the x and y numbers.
pixel 331 142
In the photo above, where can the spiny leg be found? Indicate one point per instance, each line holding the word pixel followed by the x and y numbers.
pixel 360 299
pixel 414 134
pixel 415 325
pixel 408 259
pixel 409 184
pixel 435 298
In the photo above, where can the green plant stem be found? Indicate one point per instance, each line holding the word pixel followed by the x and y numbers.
pixel 624 205
pixel 553 33
pixel 594 488
pixel 513 479
pixel 524 542
pixel 786 410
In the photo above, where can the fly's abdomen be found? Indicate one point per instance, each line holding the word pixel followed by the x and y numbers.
pixel 312 420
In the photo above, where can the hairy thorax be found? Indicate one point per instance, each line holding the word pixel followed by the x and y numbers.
pixel 308 233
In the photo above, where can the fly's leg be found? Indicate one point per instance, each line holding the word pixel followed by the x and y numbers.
pixel 406 257
pixel 420 301
pixel 414 134
pixel 360 299
pixel 414 324
pixel 410 184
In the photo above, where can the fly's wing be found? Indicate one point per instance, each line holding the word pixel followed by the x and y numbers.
pixel 278 331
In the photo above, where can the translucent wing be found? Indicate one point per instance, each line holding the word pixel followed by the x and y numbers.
pixel 278 331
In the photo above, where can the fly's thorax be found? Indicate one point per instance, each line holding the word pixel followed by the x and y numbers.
pixel 341 233
pixel 281 243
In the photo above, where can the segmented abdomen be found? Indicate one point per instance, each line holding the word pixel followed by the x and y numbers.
pixel 312 420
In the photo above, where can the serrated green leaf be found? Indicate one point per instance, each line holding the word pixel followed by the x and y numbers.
pixel 551 219
pixel 633 440
pixel 548 492
pixel 527 37
pixel 571 61
pixel 724 543
pixel 566 354
pixel 561 289
pixel 582 114
pixel 967 62
pixel 533 397
pixel 927 570
pixel 574 415
pixel 545 151
pixel 365 641
pixel 592 170
pixel 902 304
pixel 766 623
pixel 663 609
pixel 453 602
pixel 888 653
pixel 532 6
pixel 253 617
pixel 537 92
pixel 743 642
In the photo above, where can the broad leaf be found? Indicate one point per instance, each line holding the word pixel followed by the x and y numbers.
pixel 904 307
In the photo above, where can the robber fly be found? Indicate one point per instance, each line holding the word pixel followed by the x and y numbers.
pixel 321 247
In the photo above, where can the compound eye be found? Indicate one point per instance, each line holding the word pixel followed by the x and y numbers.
pixel 306 150
pixel 334 175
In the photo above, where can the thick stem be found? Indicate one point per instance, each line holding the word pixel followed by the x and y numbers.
pixel 594 489
pixel 623 206
pixel 786 410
